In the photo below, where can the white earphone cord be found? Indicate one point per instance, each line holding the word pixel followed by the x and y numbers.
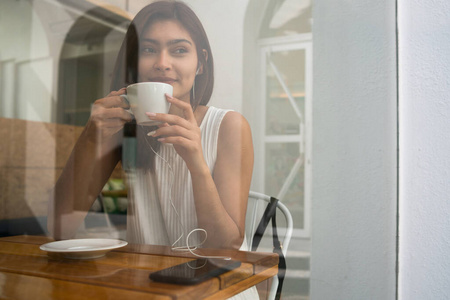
pixel 187 247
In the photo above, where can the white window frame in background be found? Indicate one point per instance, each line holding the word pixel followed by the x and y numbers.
pixel 277 44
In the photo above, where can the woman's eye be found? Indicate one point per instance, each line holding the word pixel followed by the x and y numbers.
pixel 148 50
pixel 180 50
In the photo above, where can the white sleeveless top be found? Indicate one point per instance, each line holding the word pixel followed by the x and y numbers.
pixel 161 206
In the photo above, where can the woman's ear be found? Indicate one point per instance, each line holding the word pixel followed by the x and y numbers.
pixel 200 65
pixel 205 54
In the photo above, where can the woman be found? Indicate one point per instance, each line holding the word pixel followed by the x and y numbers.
pixel 194 170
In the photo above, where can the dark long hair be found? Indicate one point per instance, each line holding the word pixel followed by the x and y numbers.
pixel 126 67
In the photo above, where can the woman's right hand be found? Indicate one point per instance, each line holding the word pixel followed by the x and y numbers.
pixel 108 116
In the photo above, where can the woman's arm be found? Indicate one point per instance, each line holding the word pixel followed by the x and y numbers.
pixel 90 164
pixel 231 179
pixel 220 202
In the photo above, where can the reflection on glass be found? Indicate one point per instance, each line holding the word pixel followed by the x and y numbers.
pixel 87 57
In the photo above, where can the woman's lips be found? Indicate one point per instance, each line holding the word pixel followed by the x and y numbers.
pixel 167 80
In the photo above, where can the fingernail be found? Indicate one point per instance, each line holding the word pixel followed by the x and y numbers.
pixel 161 140
pixel 169 97
pixel 151 133
pixel 150 114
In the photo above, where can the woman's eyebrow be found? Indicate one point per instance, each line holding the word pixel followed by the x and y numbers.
pixel 176 41
pixel 171 42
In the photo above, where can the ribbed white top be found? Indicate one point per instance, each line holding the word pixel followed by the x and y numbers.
pixel 151 217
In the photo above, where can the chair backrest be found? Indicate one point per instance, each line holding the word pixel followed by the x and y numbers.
pixel 253 217
pixel 254 213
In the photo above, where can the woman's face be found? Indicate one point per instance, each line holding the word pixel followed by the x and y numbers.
pixel 168 54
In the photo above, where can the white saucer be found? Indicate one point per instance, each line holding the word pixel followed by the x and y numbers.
pixel 82 248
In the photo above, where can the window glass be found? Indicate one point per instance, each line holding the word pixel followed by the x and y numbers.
pixel 57 58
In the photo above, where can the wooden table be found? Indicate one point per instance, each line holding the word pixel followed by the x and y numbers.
pixel 26 272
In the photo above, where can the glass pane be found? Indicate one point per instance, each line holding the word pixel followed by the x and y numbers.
pixel 281 116
pixel 280 159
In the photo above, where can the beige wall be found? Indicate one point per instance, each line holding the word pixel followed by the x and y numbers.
pixel 32 155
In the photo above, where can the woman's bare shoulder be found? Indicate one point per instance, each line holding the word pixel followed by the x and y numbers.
pixel 233 118
pixel 234 125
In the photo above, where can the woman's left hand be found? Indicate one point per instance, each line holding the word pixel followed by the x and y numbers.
pixel 183 133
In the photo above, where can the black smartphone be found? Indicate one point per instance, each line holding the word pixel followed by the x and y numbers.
pixel 195 271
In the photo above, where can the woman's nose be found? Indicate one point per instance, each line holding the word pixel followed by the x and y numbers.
pixel 162 61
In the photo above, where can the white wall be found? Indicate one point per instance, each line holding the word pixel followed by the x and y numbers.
pixel 224 24
pixel 354 150
pixel 424 59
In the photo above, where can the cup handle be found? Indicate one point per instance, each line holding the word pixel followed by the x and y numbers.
pixel 125 97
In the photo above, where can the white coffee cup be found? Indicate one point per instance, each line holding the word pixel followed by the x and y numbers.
pixel 148 97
